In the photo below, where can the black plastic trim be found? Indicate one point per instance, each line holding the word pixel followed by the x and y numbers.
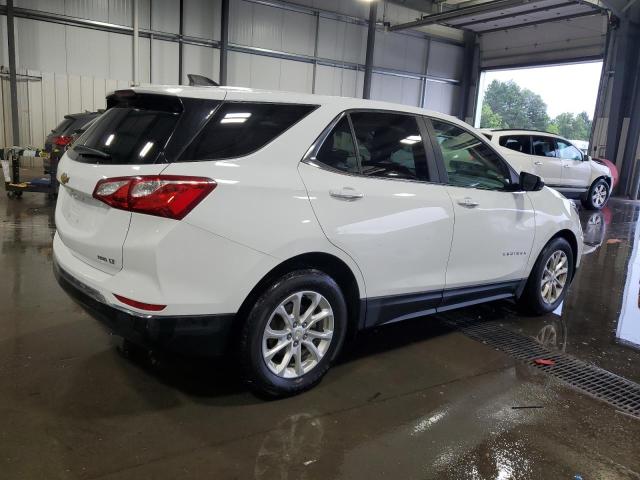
pixel 204 335
pixel 395 308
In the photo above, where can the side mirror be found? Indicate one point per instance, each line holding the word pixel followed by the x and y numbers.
pixel 586 158
pixel 530 182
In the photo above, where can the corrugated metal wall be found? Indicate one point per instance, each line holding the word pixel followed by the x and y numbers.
pixel 273 47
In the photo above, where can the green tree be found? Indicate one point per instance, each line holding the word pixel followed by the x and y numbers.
pixel 518 108
pixel 573 127
pixel 490 119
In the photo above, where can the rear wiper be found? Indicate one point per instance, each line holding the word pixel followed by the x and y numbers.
pixel 92 152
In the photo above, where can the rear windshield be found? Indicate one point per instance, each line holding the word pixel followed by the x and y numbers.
pixel 62 126
pixel 240 128
pixel 126 135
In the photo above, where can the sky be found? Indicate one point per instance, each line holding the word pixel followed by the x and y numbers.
pixel 564 88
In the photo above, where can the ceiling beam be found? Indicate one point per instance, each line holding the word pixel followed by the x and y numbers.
pixel 485 7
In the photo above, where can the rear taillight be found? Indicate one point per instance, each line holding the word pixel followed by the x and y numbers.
pixel 62 140
pixel 169 196
pixel 140 305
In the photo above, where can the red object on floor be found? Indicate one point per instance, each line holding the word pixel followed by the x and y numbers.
pixel 612 167
pixel 544 361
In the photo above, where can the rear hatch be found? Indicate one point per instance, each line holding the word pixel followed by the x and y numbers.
pixel 133 137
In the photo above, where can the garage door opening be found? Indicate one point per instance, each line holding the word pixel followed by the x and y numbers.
pixel 559 99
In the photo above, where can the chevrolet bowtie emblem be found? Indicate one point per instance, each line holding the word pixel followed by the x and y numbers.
pixel 64 178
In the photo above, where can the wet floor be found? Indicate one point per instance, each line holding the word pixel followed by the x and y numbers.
pixel 409 401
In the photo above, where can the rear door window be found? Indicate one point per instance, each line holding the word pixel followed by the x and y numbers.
pixel 390 145
pixel 339 150
pixel 519 143
pixel 240 128
pixel 544 146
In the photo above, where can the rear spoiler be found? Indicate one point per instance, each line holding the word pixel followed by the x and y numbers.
pixel 149 101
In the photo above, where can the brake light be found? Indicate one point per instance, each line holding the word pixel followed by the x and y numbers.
pixel 169 196
pixel 140 305
pixel 62 140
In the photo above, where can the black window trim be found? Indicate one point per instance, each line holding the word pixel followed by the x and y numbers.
pixel 546 137
pixel 313 106
pixel 442 168
pixel 513 135
pixel 433 170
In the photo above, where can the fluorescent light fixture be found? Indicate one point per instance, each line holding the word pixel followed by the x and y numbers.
pixel 146 149
pixel 239 117
pixel 411 139
pixel 109 139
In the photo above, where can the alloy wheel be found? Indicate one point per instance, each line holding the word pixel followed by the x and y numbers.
pixel 298 334
pixel 554 277
pixel 599 195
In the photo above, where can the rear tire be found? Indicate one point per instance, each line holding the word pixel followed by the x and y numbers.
pixel 302 317
pixel 549 279
pixel 597 195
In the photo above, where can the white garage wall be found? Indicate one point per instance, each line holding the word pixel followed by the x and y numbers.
pixel 270 48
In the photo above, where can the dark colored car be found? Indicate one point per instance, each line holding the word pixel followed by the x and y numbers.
pixel 66 131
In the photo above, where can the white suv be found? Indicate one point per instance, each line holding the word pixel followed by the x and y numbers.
pixel 270 224
pixel 559 162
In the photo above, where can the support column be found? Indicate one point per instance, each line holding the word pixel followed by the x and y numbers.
pixel 180 45
pixel 371 40
pixel 224 41
pixel 136 43
pixel 618 104
pixel 469 79
pixel 13 79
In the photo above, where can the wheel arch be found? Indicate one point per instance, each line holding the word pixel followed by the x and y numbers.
pixel 570 237
pixel 333 266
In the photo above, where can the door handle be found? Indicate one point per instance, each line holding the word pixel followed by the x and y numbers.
pixel 537 163
pixel 468 202
pixel 566 165
pixel 346 193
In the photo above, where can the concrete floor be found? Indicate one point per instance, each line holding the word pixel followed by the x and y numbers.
pixel 412 400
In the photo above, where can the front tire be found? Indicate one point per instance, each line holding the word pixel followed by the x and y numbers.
pixel 549 279
pixel 597 195
pixel 292 333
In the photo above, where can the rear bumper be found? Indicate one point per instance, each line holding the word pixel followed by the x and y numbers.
pixel 204 335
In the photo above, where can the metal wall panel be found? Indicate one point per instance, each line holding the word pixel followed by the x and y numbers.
pixel 257 71
pixel 445 60
pixel 120 57
pixel 442 97
pixel 202 18
pixel 36 113
pixel 165 15
pixel 401 52
pixel 87 51
pixel 338 81
pixel 121 11
pixel 75 93
pixel 342 41
pixel 164 62
pixel 395 89
pixel 40 45
pixel 52 6
pixel 92 9
pixel 271 28
pixel 86 94
pixel 295 76
pixel 202 61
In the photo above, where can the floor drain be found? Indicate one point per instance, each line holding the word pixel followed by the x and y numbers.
pixel 613 389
